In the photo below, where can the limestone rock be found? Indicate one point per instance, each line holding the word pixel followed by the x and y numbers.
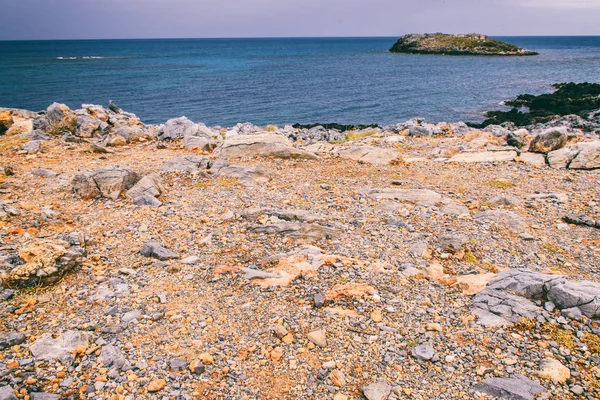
pixel 516 388
pixel 262 145
pixel 199 142
pixel 158 251
pixel 61 348
pixel 484 156
pixel 146 191
pixel 407 195
pixel 247 176
pixel 423 352
pixel 11 339
pixel 548 141
pixel 377 391
pixel 553 370
pixel 318 338
pixel 111 356
pixel 370 154
pixel 6 393
pixel 178 128
pixel 61 118
pixel 109 182
pixel 535 159
pixel 46 263
pixel 507 218
pixel 6 121
pixel 186 164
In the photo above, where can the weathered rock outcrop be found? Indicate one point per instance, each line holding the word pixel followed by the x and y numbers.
pixel 546 142
pixel 408 195
pixel 146 191
pixel 45 263
pixel 109 182
pixel 262 145
pixel 583 155
pixel 370 154
pixel 457 45
pixel 186 164
pixel 178 128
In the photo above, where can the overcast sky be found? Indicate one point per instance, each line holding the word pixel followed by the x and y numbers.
pixel 91 19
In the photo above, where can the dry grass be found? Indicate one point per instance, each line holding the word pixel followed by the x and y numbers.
pixel 501 183
pixel 9 142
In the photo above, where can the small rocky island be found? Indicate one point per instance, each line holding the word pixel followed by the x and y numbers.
pixel 472 44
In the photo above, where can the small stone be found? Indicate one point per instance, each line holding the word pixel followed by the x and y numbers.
pixel 197 367
pixel 319 300
pixel 553 370
pixel 434 327
pixel 6 393
pixel 318 337
pixel 377 391
pixel 276 354
pixel 206 358
pixel 157 385
pixel 376 316
pixel 11 339
pixel 577 390
pixel 280 331
pixel 423 352
pixel 338 378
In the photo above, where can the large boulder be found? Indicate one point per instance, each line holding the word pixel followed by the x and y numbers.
pixel 45 262
pixel 133 134
pixel 178 128
pixel 262 145
pixel 186 164
pixel 61 119
pixel 109 182
pixel 370 154
pixel 247 176
pixel 146 191
pixel 583 155
pixel 90 127
pixel 517 138
pixel 548 141
pixel 199 142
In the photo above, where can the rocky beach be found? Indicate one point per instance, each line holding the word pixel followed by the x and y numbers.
pixel 407 261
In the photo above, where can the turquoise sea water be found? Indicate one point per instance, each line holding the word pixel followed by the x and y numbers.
pixel 225 81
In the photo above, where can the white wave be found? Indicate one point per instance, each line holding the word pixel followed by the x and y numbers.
pixel 80 58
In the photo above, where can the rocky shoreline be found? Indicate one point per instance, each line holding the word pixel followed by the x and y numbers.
pixel 299 262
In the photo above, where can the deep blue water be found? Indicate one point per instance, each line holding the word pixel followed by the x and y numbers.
pixel 225 81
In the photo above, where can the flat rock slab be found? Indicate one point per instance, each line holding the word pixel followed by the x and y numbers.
pixel 61 348
pixel 534 159
pixel 377 391
pixel 370 154
pixel 262 145
pixel 516 388
pixel 407 195
pixel 583 155
pixel 507 218
pixel 484 156
pixel 158 251
pixel 186 164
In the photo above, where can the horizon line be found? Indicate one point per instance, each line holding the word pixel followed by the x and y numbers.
pixel 262 37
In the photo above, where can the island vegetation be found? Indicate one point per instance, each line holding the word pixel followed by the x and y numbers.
pixel 458 45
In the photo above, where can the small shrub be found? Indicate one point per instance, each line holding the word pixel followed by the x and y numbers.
pixel 592 342
pixel 470 258
pixel 501 183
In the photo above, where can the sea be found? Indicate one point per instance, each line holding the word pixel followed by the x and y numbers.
pixel 284 80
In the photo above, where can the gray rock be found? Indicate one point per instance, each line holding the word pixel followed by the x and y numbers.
pixel 32 146
pixel 455 210
pixel 504 200
pixel 451 243
pixel 263 145
pixel 583 155
pixel 369 154
pixel 7 393
pixel 377 391
pixel 178 128
pixel 11 339
pixel 89 127
pixel 44 396
pixel 407 195
pixel 186 164
pixel 247 176
pixel 178 364
pixel 484 156
pixel 516 388
pixel 535 159
pixel 47 348
pixel 45 173
pixel 509 219
pixel 199 142
pixel 131 316
pixel 156 250
pixel 60 114
pixel 548 141
pixel 497 130
pixel 517 138
pixel 146 191
pixel 38 135
pixel 111 356
pixel 109 182
pixel 299 231
pixel 572 313
pixel 423 352
pixel 498 308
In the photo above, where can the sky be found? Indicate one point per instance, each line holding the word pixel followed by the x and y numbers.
pixel 90 19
